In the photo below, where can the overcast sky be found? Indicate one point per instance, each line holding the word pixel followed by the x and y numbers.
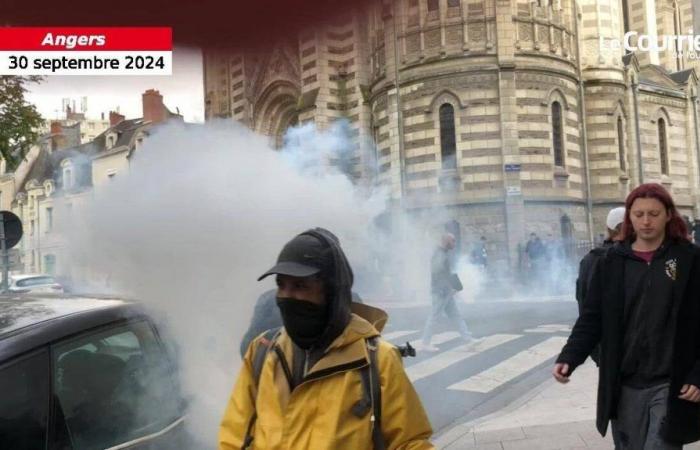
pixel 184 90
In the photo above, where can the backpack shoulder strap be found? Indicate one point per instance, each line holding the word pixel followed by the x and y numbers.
pixel 264 345
pixel 376 395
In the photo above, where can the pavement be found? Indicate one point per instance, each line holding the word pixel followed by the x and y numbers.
pixel 551 416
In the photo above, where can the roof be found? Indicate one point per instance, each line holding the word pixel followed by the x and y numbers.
pixel 33 320
pixel 126 131
pixel 40 171
pixel 682 76
pixel 47 164
pixel 657 76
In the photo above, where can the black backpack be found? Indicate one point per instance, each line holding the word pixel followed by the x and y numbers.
pixel 372 392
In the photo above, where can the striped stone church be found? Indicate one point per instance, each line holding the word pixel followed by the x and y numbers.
pixel 512 116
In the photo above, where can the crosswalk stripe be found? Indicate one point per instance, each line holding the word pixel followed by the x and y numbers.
pixel 550 328
pixel 444 337
pixel 509 369
pixel 397 334
pixel 438 339
pixel 442 360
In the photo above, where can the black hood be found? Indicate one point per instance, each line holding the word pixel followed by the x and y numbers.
pixel 339 279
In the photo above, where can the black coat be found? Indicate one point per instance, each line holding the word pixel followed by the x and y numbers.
pixel 601 321
pixel 585 272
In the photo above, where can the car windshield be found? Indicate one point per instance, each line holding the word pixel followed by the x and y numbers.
pixel 114 386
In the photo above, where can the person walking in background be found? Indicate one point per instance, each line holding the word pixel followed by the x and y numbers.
pixel 643 308
pixel 479 254
pixel 444 284
pixel 536 256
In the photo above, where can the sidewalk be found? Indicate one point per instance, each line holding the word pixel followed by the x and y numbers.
pixel 550 417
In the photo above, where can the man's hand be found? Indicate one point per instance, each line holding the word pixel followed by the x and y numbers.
pixel 690 392
pixel 561 372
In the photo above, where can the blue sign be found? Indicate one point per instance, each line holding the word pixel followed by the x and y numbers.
pixel 512 167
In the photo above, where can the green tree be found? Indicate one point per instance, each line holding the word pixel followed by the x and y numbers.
pixel 19 120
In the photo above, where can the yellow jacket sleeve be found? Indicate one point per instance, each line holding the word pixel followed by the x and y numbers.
pixel 405 424
pixel 240 407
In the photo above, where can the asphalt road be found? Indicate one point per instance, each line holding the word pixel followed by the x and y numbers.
pixel 517 344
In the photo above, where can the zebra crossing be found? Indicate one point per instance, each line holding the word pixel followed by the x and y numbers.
pixel 508 356
pixel 443 360
pixel 509 369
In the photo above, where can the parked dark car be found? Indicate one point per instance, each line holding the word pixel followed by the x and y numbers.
pixel 81 373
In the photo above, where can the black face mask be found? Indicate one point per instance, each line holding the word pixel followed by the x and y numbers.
pixel 304 321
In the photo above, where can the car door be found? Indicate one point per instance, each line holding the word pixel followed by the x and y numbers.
pixel 24 401
pixel 115 388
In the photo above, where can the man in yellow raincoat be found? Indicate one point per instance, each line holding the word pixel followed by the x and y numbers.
pixel 312 390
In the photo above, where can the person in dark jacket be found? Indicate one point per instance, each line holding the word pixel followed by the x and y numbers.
pixel 613 223
pixel 643 307
pixel 479 254
pixel 443 290
pixel 536 253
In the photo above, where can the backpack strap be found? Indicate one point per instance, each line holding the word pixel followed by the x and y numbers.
pixel 264 345
pixel 375 395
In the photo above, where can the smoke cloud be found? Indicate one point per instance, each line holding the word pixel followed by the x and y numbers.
pixel 204 210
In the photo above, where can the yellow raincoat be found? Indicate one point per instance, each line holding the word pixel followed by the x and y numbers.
pixel 317 414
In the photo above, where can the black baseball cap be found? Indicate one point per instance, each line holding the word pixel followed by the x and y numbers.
pixel 303 256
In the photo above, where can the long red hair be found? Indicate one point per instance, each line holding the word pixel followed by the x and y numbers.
pixel 675 228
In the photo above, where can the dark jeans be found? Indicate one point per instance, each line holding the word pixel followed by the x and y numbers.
pixel 639 417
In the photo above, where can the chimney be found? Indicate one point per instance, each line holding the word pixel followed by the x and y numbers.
pixel 153 108
pixel 56 127
pixel 72 115
pixel 57 137
pixel 114 118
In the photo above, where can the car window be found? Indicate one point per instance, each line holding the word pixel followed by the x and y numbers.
pixel 114 385
pixel 24 402
pixel 35 281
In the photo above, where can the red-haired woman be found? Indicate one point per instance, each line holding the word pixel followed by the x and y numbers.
pixel 643 307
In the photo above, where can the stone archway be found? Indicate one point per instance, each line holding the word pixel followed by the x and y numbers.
pixel 276 109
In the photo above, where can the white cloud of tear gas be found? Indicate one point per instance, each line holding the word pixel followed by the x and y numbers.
pixel 473 278
pixel 201 214
pixel 205 210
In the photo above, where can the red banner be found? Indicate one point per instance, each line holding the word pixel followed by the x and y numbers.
pixel 86 38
